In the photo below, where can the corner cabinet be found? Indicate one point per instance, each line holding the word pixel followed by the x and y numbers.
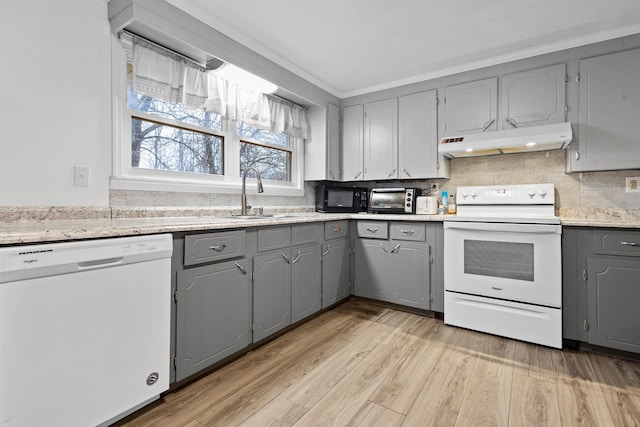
pixel 418 135
pixel 471 107
pixel 601 287
pixel 352 164
pixel 381 139
pixel 609 110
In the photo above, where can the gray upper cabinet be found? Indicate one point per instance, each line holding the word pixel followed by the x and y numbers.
pixel 417 136
pixel 322 148
pixel 333 143
pixel 613 294
pixel 381 139
pixel 213 314
pixel 533 97
pixel 471 107
pixel 609 112
pixel 353 143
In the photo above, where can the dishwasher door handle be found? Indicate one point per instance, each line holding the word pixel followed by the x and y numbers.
pixel 99 263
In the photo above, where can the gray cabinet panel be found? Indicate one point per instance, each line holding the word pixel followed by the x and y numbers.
pixel 533 97
pixel 373 229
pixel 614 292
pixel 353 143
pixel 381 139
pixel 302 234
pixel 410 278
pixel 333 142
pixel 616 242
pixel 201 248
pixel 408 231
pixel 306 282
pixel 609 111
pixel 418 136
pixel 335 271
pixel 213 314
pixel 270 238
pixel 471 107
pixel 336 229
pixel 271 294
pixel 435 237
pixel 371 269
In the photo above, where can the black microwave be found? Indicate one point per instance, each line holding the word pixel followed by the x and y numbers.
pixel 330 198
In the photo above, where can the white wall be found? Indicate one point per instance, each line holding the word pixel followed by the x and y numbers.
pixel 55 109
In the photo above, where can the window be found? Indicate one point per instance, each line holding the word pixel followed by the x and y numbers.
pixel 269 152
pixel 159 146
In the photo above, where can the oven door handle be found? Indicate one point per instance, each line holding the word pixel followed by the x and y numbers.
pixel 503 227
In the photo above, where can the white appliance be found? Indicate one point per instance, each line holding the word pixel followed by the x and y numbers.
pixel 84 328
pixel 536 138
pixel 502 263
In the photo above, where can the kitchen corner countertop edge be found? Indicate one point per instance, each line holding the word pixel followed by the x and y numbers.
pixel 22 232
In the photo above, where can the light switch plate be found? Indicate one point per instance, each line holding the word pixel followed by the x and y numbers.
pixel 80 176
pixel 632 184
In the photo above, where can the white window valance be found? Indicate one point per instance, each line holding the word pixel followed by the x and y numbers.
pixel 161 74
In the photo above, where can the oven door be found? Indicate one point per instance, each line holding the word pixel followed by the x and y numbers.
pixel 516 262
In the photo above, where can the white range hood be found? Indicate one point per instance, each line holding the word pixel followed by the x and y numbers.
pixel 538 138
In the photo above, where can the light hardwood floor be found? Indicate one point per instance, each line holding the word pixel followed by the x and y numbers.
pixel 361 364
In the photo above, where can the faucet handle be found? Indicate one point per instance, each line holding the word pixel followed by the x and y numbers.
pixel 260 210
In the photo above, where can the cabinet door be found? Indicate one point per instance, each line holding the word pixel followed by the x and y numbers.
pixel 471 107
pixel 333 143
pixel 271 293
pixel 335 272
pixel 410 270
pixel 381 139
pixel 533 97
pixel 213 314
pixel 353 143
pixel 371 269
pixel 613 295
pixel 306 282
pixel 609 111
pixel 418 136
pixel 435 238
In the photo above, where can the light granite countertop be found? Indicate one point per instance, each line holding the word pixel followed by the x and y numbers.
pixel 144 221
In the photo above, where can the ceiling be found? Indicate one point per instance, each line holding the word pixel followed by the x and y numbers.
pixel 351 47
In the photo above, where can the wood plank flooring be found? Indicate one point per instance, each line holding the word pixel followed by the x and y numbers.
pixel 361 364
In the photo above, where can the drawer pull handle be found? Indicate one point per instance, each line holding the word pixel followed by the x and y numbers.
pixel 242 270
pixel 382 247
pixel 629 243
pixel 327 251
pixel 409 232
pixel 337 229
pixel 218 248
pixel 372 230
pixel 396 249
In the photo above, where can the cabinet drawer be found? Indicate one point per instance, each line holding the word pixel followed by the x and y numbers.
pixel 302 234
pixel 201 248
pixel 408 231
pixel 373 229
pixel 614 242
pixel 274 238
pixel 335 229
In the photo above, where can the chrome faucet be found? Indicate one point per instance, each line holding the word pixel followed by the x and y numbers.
pixel 243 206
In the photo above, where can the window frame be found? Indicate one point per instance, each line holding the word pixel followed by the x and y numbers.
pixel 126 177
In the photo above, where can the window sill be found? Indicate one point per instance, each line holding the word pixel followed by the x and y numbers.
pixel 146 184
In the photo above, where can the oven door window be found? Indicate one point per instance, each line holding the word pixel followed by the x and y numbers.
pixel 499 259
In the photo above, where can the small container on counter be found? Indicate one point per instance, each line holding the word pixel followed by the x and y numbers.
pixel 452 204
pixel 444 203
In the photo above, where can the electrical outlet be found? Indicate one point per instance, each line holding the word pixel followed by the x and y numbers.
pixel 632 184
pixel 80 176
pixel 435 188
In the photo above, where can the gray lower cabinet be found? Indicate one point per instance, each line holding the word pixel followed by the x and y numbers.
pixel 287 287
pixel 271 293
pixel 335 271
pixel 213 313
pixel 613 295
pixel 306 282
pixel 410 268
pixel 396 270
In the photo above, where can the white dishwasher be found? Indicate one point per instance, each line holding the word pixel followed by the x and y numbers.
pixel 84 330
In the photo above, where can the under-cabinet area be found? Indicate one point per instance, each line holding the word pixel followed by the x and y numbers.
pixel 601 287
pixel 234 289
